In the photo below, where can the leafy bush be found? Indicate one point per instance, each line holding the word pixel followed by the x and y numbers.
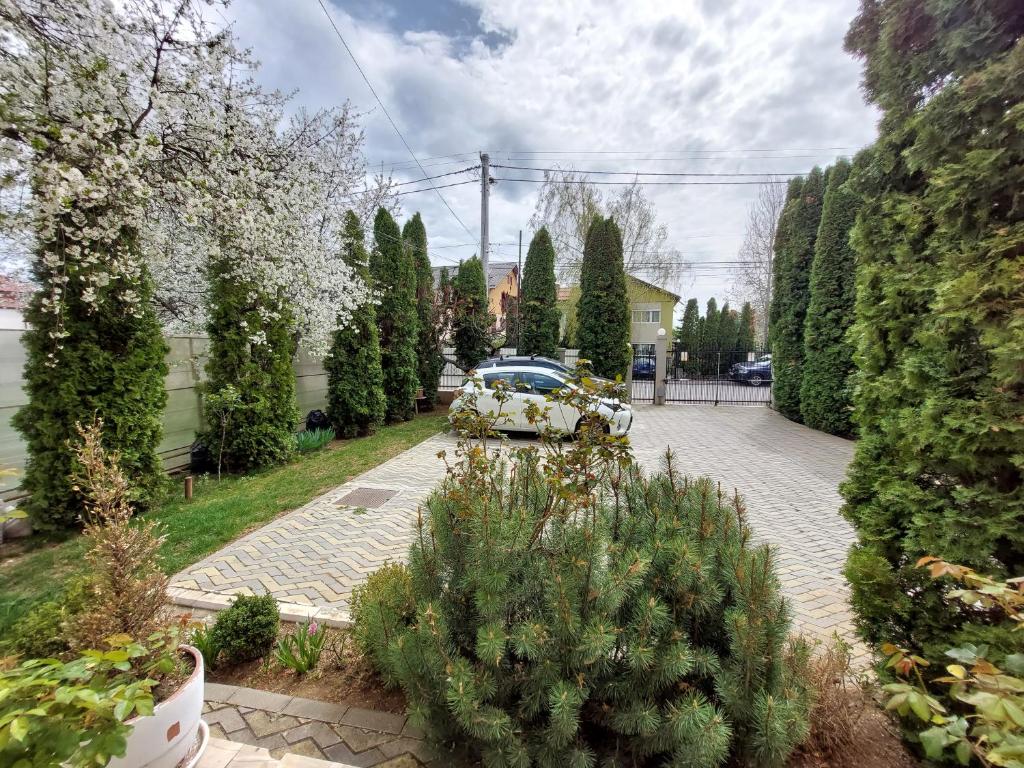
pixel 380 608
pixel 572 611
pixel 313 439
pixel 991 727
pixel 602 315
pixel 41 633
pixel 300 650
pixel 204 640
pixel 247 629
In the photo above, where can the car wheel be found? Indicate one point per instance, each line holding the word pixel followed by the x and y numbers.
pixel 755 380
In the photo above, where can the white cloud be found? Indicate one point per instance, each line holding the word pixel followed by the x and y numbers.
pixel 645 77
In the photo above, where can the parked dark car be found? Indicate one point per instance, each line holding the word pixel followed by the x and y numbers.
pixel 535 360
pixel 643 367
pixel 755 374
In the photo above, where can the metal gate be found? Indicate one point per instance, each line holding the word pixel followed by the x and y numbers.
pixel 733 377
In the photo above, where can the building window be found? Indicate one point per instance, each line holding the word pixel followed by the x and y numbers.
pixel 646 315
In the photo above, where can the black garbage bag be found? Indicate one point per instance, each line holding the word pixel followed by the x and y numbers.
pixel 317 420
pixel 201 459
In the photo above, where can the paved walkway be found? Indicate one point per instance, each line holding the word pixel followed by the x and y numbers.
pixel 310 559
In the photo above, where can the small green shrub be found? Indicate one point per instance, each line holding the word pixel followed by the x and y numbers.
pixel 313 439
pixel 40 633
pixel 247 630
pixel 379 609
pixel 300 650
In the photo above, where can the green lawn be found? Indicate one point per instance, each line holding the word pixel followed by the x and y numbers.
pixel 218 512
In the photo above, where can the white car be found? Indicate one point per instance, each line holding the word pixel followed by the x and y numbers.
pixel 527 384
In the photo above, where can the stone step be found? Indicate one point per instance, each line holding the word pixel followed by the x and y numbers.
pixel 221 753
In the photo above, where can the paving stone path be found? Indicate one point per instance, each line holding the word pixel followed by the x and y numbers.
pixel 285 725
pixel 310 559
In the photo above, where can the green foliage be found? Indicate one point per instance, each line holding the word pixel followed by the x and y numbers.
pixel 428 346
pixel 355 379
pixel 313 439
pixel 74 713
pixel 40 633
pixel 603 315
pixel 247 629
pixel 380 608
pixel 471 321
pixel 109 363
pixel 688 335
pixel 728 329
pixel 712 323
pixel 794 252
pixel 251 350
pixel 204 640
pixel 540 318
pixel 825 391
pixel 938 402
pixel 394 278
pixel 300 650
pixel 568 610
pixel 745 331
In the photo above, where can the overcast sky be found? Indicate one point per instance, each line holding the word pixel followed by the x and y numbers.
pixel 686 85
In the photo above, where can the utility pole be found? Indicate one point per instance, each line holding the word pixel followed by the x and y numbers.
pixel 485 216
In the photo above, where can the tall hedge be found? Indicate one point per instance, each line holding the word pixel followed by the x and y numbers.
pixel 603 315
pixel 688 335
pixel 792 292
pixel 471 322
pixel 825 391
pixel 939 402
pixel 746 332
pixel 781 235
pixel 260 429
pixel 429 362
pixel 539 319
pixel 110 364
pixel 355 379
pixel 394 278
pixel 728 329
pixel 712 325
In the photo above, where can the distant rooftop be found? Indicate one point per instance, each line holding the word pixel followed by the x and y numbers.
pixel 14 294
pixel 496 271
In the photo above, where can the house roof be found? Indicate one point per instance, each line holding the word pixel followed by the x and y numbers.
pixel 566 291
pixel 496 271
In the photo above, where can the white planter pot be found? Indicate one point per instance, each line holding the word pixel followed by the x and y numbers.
pixel 165 738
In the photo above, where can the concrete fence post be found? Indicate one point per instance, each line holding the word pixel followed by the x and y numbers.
pixel 660 367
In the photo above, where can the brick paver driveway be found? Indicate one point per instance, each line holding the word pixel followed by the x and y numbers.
pixel 311 558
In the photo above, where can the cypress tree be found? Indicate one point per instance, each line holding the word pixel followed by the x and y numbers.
pixel 828 356
pixel 355 380
pixel 428 348
pixel 746 331
pixel 471 321
pixel 792 293
pixel 712 325
pixel 939 396
pixel 688 335
pixel 728 329
pixel 603 315
pixel 781 236
pixel 251 349
pixel 394 278
pixel 540 318
pixel 110 363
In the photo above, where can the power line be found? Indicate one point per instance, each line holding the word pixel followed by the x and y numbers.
pixel 639 173
pixel 435 188
pixel 663 151
pixel 438 176
pixel 646 183
pixel 388 115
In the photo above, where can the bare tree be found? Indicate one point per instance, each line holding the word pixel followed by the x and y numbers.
pixel 753 281
pixel 567 204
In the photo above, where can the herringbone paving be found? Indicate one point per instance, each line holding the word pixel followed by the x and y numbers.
pixel 311 559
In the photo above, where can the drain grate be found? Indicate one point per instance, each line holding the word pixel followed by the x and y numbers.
pixel 371 498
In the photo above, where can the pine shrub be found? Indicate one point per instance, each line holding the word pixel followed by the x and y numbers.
pixel 247 629
pixel 939 396
pixel 429 362
pixel 570 611
pixel 791 293
pixel 355 379
pixel 688 335
pixel 382 607
pixel 472 321
pixel 251 350
pixel 603 315
pixel 110 363
pixel 394 278
pixel 539 316
pixel 828 357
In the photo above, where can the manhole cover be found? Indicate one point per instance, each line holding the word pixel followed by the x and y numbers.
pixel 366 497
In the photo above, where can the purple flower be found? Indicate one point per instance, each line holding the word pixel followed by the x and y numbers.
pixel 312 629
